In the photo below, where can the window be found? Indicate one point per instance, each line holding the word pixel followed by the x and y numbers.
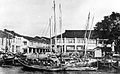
pixel 30 50
pixel 25 51
pixel 70 40
pixel 70 47
pixel 12 48
pixel 80 40
pixel 100 42
pixel 79 47
pixel 2 41
pixel 25 42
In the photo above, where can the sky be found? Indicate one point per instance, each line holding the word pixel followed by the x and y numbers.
pixel 31 17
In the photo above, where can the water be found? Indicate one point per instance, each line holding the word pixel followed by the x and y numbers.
pixel 18 70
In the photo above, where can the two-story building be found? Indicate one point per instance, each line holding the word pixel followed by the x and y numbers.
pixel 35 45
pixel 27 44
pixel 5 41
pixel 74 40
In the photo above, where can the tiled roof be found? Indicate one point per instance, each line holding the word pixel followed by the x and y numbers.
pixel 43 39
pixel 35 39
pixel 16 34
pixel 76 33
pixel 28 38
pixel 5 35
pixel 13 33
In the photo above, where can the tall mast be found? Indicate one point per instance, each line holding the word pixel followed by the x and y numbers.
pixel 87 26
pixel 91 27
pixel 55 31
pixel 60 21
pixel 85 37
pixel 50 34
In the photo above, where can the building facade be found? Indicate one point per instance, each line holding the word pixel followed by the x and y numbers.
pixel 26 44
pixel 74 40
pixel 5 41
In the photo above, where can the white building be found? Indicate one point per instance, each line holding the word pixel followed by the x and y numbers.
pixel 73 40
pixel 26 44
pixel 5 41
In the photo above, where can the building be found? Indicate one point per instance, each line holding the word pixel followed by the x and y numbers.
pixel 73 40
pixel 27 44
pixel 35 45
pixel 5 41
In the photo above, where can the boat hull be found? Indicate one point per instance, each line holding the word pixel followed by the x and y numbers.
pixel 39 68
pixel 81 69
pixel 45 68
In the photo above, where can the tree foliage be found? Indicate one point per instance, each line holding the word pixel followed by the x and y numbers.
pixel 109 27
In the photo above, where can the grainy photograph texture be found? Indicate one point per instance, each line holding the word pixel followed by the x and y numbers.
pixel 59 36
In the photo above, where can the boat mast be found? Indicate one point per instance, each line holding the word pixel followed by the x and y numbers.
pixel 50 34
pixel 60 21
pixel 85 37
pixel 55 31
pixel 91 27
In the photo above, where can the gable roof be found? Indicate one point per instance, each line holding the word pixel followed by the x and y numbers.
pixel 5 35
pixel 43 39
pixel 16 34
pixel 12 32
pixel 35 39
pixel 76 34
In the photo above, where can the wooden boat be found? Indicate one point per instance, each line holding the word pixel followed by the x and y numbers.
pixel 26 66
pixel 8 59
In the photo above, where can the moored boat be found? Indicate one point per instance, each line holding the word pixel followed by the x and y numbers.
pixel 26 66
pixel 39 67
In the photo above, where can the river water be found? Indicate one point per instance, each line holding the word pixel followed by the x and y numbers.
pixel 18 70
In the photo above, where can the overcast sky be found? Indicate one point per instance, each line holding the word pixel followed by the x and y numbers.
pixel 31 17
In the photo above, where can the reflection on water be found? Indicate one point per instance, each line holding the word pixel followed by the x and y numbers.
pixel 18 70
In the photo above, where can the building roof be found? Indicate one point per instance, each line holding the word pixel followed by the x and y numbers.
pixel 43 39
pixel 35 39
pixel 13 33
pixel 5 35
pixel 28 38
pixel 76 34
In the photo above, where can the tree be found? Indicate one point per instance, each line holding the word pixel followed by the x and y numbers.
pixel 109 28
